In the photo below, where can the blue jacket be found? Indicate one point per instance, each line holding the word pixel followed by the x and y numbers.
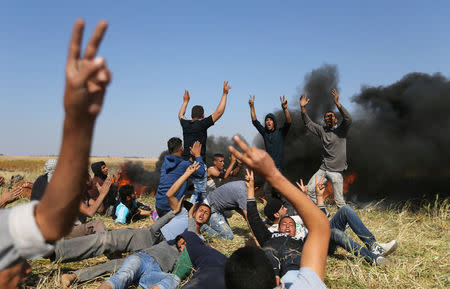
pixel 172 169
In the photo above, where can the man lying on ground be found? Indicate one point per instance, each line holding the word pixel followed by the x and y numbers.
pixel 230 196
pixel 314 255
pixel 163 252
pixel 196 129
pixel 173 168
pixel 165 228
pixel 28 230
pixel 208 264
pixel 373 252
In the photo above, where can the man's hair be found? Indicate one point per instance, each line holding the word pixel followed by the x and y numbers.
pixel 282 218
pixel 197 111
pixel 249 268
pixel 329 111
pixel 218 156
pixel 174 144
pixel 178 238
pixel 125 191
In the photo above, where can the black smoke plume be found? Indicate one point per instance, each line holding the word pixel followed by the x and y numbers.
pixel 399 142
pixel 137 174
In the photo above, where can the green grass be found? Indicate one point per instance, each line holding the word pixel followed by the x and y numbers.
pixel 421 261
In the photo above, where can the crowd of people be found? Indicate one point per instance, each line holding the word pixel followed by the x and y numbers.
pixel 290 245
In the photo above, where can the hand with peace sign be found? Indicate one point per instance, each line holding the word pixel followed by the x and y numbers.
pixel 86 76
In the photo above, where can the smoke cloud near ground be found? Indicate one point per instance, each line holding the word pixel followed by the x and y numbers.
pixel 398 145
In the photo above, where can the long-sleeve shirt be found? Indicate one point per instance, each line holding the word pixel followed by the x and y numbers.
pixel 334 141
pixel 20 237
pixel 283 251
pixel 274 140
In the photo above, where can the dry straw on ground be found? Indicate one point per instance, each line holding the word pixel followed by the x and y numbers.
pixel 421 261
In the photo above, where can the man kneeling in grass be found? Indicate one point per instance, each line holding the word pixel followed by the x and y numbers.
pixel 240 272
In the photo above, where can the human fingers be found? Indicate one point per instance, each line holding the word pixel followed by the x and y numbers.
pixel 75 40
pixel 96 39
pixel 241 143
pixel 321 179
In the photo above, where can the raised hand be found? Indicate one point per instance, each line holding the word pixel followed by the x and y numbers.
pixel 87 77
pixel 192 210
pixel 320 187
pixel 186 96
pixel 283 103
pixel 104 189
pixel 256 159
pixel 303 188
pixel 304 100
pixel 336 96
pixel 179 205
pixel 192 168
pixel 226 87
pixel 196 149
pixel 249 179
pixel 251 101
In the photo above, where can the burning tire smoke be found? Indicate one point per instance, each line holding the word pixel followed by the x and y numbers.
pixel 398 145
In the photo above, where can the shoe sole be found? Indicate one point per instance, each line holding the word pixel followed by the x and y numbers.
pixel 391 250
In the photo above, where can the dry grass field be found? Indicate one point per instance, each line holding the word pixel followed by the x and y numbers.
pixel 421 261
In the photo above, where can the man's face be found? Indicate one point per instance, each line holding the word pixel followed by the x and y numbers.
pixel 219 163
pixel 105 170
pixel 13 276
pixel 181 244
pixel 202 214
pixel 269 124
pixel 330 119
pixel 287 225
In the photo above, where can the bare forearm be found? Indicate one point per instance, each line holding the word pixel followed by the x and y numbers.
pixel 220 108
pixel 229 169
pixel 287 116
pixel 60 204
pixel 173 201
pixel 182 110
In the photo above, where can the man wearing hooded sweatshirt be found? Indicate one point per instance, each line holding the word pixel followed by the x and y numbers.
pixel 173 168
pixel 273 141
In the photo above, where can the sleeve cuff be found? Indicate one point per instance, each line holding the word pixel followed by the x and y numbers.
pixel 25 232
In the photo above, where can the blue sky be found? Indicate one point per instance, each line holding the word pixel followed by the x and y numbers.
pixel 156 49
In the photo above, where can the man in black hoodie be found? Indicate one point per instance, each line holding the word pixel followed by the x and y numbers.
pixel 100 171
pixel 273 141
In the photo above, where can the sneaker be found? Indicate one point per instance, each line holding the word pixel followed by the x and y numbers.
pixel 384 249
pixel 381 261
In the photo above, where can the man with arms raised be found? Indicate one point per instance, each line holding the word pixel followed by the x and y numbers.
pixel 196 128
pixel 334 150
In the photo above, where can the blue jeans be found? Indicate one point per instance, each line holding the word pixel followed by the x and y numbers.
pixel 218 227
pixel 142 269
pixel 336 180
pixel 346 215
pixel 199 187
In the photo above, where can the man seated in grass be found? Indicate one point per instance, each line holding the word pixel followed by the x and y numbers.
pixel 217 173
pixel 128 209
pixel 240 269
pixel 165 228
pixel 374 252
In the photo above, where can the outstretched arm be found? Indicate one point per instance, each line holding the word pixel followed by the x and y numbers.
pixel 346 117
pixel 86 82
pixel 314 253
pixel 310 125
pixel 173 201
pixel 284 105
pixel 222 104
pixel 251 103
pixel 186 99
